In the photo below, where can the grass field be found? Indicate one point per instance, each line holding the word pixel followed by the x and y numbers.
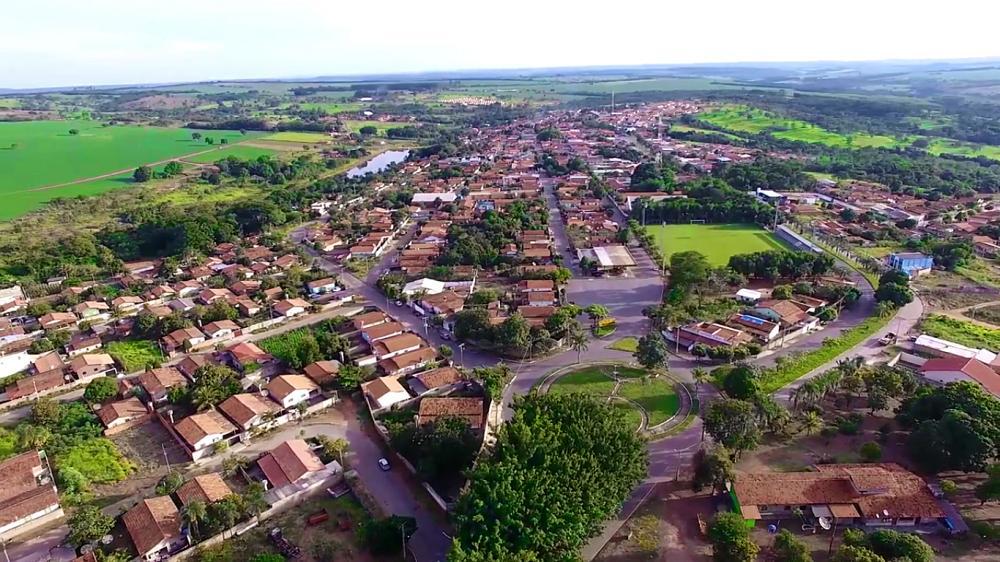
pixel 135 355
pixel 946 146
pixel 333 108
pixel 718 242
pixel 629 344
pixel 297 136
pixel 965 333
pixel 355 126
pixel 752 120
pixel 42 153
pixel 655 396
pixel 236 150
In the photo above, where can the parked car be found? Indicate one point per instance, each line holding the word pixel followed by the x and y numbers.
pixel 399 303
pixel 887 339
pixel 445 335
pixel 383 463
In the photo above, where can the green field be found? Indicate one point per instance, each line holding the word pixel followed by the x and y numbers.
pixel 333 108
pixel 297 136
pixel 718 242
pixel 355 126
pixel 34 154
pixel 238 151
pixel 135 355
pixel 947 146
pixel 656 395
pixel 964 333
pixel 752 120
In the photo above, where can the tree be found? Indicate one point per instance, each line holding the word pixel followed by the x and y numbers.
pixel 100 390
pixel 989 490
pixel 87 524
pixel 234 464
pixel 45 411
pixel 446 351
pixel 334 448
pixel 700 377
pixel 74 132
pixel 742 382
pixel 855 554
pixel 386 536
pixel 579 343
pixel 789 548
pixel 514 334
pixel 688 269
pixel 170 483
pixel 368 130
pixel 651 351
pixel 212 385
pixel 351 376
pixel 870 451
pixel 596 313
pixel 142 174
pixel 195 136
pixel 895 294
pixel 589 460
pixel 732 423
pixel 890 545
pixel 172 168
pixel 713 468
pixel 72 481
pixel 811 422
pixel 782 292
pixel 253 498
pixel 193 514
pixel 730 539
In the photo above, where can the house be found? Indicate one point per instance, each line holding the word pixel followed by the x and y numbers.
pixel 248 307
pixel 407 362
pixel 535 315
pixel 83 343
pixel 435 380
pixel 182 339
pixel 56 320
pixel 468 409
pixel 396 345
pixel 763 330
pixel 191 363
pixel 748 296
pixel 536 298
pixel 938 347
pixel 245 356
pixel 383 392
pixel 984 246
pixel 322 372
pixel 155 528
pixel 290 307
pixel 786 313
pixel 444 304
pixel 27 494
pixel 382 331
pixel 289 463
pixel 35 384
pixel 709 334
pixel 92 364
pixel 201 431
pixel 872 495
pixel 944 370
pixel 48 362
pixel 126 304
pixel 423 286
pixel 536 285
pixel 90 309
pixel 910 263
pixel 291 390
pixel 221 330
pixel 158 382
pixel 320 286
pixel 247 410
pixel 121 412
pixel 607 258
pixel 206 488
pixel 370 319
pixel 208 296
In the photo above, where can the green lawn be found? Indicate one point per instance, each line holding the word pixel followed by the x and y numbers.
pixel 590 380
pixel 98 460
pixel 629 344
pixel 718 242
pixel 238 151
pixel 135 355
pixel 965 333
pixel 632 416
pixel 656 396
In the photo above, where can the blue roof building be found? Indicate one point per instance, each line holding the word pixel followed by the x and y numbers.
pixel 910 263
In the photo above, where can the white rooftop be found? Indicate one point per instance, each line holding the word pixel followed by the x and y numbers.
pixel 748 294
pixel 954 349
pixel 427 285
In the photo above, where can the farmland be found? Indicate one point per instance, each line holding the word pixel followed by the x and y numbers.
pixel 718 242
pixel 295 136
pixel 237 151
pixel 754 121
pixel 43 153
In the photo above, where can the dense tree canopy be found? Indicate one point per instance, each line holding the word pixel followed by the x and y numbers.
pixel 559 469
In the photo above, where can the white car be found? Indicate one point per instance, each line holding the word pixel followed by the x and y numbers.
pixel 383 463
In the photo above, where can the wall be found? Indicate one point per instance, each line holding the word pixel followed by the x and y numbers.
pixel 129 424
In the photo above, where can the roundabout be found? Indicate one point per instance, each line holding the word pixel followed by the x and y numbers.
pixel 648 401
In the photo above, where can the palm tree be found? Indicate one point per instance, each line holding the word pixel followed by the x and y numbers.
pixel 811 422
pixel 700 376
pixel 578 342
pixel 194 513
pixel 254 500
pixel 597 312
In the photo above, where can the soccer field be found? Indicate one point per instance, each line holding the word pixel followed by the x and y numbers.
pixel 718 242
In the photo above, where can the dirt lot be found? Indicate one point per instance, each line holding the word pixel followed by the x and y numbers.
pixel 145 446
pixel 942 290
pixel 664 528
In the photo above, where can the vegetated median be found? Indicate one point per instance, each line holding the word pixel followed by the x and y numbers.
pixel 793 368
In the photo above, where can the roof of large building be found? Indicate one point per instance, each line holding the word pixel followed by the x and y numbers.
pixel 968 366
pixel 877 490
pixel 152 521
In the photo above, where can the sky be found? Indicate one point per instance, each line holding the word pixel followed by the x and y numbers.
pixel 72 42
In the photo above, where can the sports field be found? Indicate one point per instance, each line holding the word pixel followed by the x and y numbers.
pixel 35 154
pixel 298 136
pixel 718 242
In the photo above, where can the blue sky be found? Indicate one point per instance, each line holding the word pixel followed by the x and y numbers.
pixel 73 42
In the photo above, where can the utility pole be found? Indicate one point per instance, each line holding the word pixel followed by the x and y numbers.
pixel 402 536
pixel 612 102
pixel 461 351
pixel 165 458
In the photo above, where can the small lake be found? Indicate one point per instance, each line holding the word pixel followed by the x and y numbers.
pixel 379 163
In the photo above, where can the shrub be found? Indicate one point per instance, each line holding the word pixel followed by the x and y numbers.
pixel 871 451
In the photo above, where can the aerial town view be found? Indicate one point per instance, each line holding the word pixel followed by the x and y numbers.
pixel 436 282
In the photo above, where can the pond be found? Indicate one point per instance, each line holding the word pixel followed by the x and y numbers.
pixel 379 163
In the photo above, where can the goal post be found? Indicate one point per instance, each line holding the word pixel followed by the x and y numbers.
pixel 697 221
